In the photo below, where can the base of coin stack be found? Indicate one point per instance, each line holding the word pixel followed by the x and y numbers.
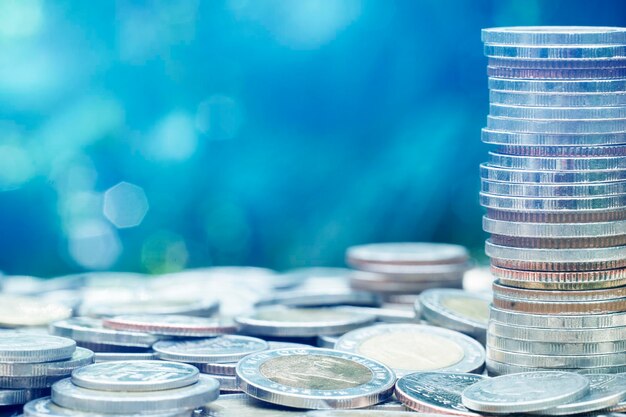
pixel 555 193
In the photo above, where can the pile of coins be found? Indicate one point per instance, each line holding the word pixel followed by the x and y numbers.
pixel 555 193
pixel 30 364
pixel 400 271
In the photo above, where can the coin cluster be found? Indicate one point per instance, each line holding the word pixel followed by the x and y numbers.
pixel 555 193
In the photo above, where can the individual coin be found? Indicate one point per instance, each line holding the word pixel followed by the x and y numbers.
pixel 570 126
pixel 567 335
pixel 411 253
pixel 558 243
pixel 557 73
pixel 557 266
pixel 408 348
pixel 554 230
pixel 171 325
pixel 563 151
pixel 551 86
pixel 386 315
pixel 554 35
pixel 124 356
pixel 28 382
pixel 520 393
pixel 301 322
pixel 555 51
pixel 368 281
pixel 29 348
pixel 557 217
pixel 16 311
pixel 220 349
pixel 66 394
pixel 521 98
pixel 495 368
pixel 555 255
pixel 456 310
pixel 89 330
pixel 574 296
pixel 555 348
pixel 560 113
pixel 553 190
pixel 546 321
pixel 315 378
pixel 436 392
pixel 320 298
pixel 499 202
pixel 413 272
pixel 19 396
pixel 499 137
pixel 556 163
pixel 64 367
pixel 225 368
pixel 562 308
pixel 533 360
pixel 44 407
pixel 543 280
pixel 240 405
pixel 604 391
pixel 134 376
pixel 154 305
pixel 493 173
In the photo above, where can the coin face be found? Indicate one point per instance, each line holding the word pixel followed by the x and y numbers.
pixel 227 348
pixel 315 378
pixel 436 392
pixel 525 392
pixel 408 348
pixel 135 376
pixel 21 347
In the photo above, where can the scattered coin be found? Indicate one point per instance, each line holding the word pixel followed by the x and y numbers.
pixel 90 330
pixel 29 348
pixel 18 311
pixel 221 349
pixel 171 325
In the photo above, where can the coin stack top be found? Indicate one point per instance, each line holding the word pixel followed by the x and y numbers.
pixel 555 193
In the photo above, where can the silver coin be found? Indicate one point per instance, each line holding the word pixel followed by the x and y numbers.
pixel 134 376
pixel 555 348
pixel 66 394
pixel 552 86
pixel 64 367
pixel 386 315
pixel 381 284
pixel 495 368
pixel 436 392
pixel 300 322
pixel 16 311
pixel 555 255
pixel 568 335
pixel 516 98
pixel 555 51
pixel 29 348
pixel 224 368
pixel 281 345
pixel 560 113
pixel 320 298
pixel 242 405
pixel 165 305
pixel 44 407
pixel 408 253
pixel 172 325
pixel 533 360
pixel 499 202
pixel 124 356
pixel 557 126
pixel 456 310
pixel 220 349
pixel 493 173
pixel 553 190
pixel 19 396
pixel 496 137
pixel 89 330
pixel 412 272
pixel 227 382
pixel 408 348
pixel 556 163
pixel 554 35
pixel 315 378
pixel 562 151
pixel 556 73
pixel 554 230
pixel 526 392
pixel 547 321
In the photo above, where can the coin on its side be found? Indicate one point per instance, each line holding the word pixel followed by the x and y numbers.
pixel 90 330
pixel 301 322
pixel 133 376
pixel 408 348
pixel 525 392
pixel 171 325
pixel 456 309
pixel 605 390
pixel 13 371
pixel 436 392
pixel 315 378
pixel 228 348
pixel 31 348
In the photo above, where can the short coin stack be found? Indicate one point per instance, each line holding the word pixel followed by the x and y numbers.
pixel 555 193
pixel 399 269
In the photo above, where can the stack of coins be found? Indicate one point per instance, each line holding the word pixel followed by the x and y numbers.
pixel 555 193
pixel 30 364
pixel 398 271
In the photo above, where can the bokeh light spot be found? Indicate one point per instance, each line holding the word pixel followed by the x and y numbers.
pixel 125 205
pixel 164 252
pixel 94 244
pixel 173 139
pixel 219 117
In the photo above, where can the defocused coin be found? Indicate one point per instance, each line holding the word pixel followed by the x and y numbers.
pixel 221 349
pixel 171 325
pixel 90 330
pixel 408 348
pixel 18 311
pixel 315 378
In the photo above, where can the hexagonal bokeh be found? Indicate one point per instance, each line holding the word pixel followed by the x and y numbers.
pixel 125 205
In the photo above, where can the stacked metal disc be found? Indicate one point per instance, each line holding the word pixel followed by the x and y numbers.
pixel 555 193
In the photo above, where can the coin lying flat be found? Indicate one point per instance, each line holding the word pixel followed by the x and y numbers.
pixel 301 322
pixel 124 356
pixel 133 376
pixel 408 348
pixel 436 392
pixel 44 407
pixel 18 311
pixel 320 298
pixel 604 391
pixel 315 378
pixel 80 357
pixel 408 253
pixel 525 392
pixel 495 368
pixel 171 325
pixel 221 349
pixel 66 394
pixel 554 35
pixel 90 330
pixel 20 347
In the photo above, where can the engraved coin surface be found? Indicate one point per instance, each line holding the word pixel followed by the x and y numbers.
pixel 135 376
pixel 221 349
pixel 408 348
pixel 315 378
pixel 525 392
pixel 21 347
pixel 436 392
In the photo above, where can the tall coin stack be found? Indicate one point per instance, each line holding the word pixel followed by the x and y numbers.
pixel 555 193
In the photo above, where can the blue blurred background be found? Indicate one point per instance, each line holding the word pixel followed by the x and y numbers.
pixel 157 135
